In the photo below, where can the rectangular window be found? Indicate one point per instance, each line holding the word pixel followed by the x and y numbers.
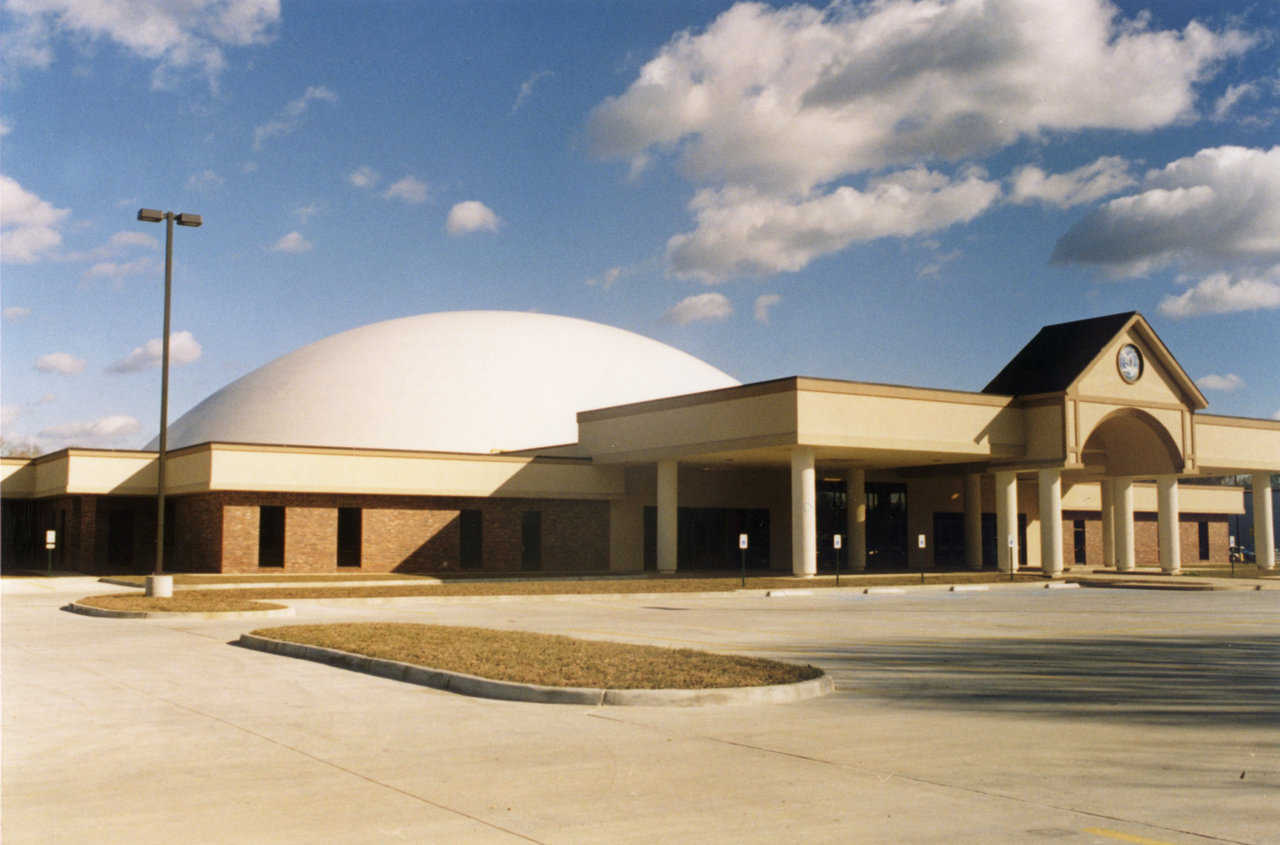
pixel 472 551
pixel 1204 539
pixel 271 535
pixel 349 536
pixel 531 540
pixel 1078 526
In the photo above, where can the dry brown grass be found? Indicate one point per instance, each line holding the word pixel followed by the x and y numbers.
pixel 189 601
pixel 545 659
pixel 191 578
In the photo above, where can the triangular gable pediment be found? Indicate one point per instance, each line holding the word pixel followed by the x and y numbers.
pixel 1082 358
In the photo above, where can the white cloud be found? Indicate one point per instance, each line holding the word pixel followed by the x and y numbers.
pixel 292 243
pixel 14 313
pixel 1276 415
pixel 183 349
pixel 1233 95
pixel 5 128
pixel 408 190
pixel 1107 175
pixel 9 414
pixel 699 307
pixel 741 231
pixel 1222 204
pixel 123 240
pixel 290 117
pixel 117 270
pixel 29 226
pixel 63 363
pixel 526 88
pixel 772 106
pixel 471 216
pixel 204 180
pixel 1221 293
pixel 764 302
pixel 609 277
pixel 100 432
pixel 1227 383
pixel 363 176
pixel 306 212
pixel 179 37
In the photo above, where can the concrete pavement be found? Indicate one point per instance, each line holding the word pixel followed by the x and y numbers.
pixel 1011 715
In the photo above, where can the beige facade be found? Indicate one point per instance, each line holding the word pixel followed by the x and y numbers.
pixel 1095 420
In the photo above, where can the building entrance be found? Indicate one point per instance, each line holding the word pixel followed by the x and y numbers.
pixel 707 538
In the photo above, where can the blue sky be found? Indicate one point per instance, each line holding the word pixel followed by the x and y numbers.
pixel 897 192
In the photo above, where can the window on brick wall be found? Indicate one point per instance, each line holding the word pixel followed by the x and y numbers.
pixel 531 540
pixel 1204 539
pixel 350 535
pixel 1079 537
pixel 271 535
pixel 472 546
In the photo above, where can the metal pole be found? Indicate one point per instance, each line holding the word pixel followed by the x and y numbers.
pixel 164 393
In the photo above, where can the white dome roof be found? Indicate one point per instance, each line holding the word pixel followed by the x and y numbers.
pixel 465 381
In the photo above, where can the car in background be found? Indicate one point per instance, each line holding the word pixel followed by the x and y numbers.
pixel 1239 554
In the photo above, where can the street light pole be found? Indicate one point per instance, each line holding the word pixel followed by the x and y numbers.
pixel 151 215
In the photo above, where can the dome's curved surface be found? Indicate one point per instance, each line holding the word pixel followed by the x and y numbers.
pixel 465 381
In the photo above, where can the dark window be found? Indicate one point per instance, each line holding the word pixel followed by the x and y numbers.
pixel 349 536
pixel 1204 539
pixel 948 539
pixel 1078 525
pixel 531 540
pixel 472 551
pixel 170 528
pixel 707 538
pixel 271 535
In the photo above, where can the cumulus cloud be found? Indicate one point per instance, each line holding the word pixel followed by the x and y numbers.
pixel 63 363
pixel 124 240
pixel 743 231
pixel 1107 175
pixel 764 302
pixel 1222 204
pixel 104 431
pixel 526 88
pixel 183 349
pixel 609 277
pixel 1231 97
pixel 118 270
pixel 363 176
pixel 306 212
pixel 290 117
pixel 180 37
pixel 783 102
pixel 699 307
pixel 14 313
pixel 204 180
pixel 1222 293
pixel 293 243
pixel 408 190
pixel 1225 383
pixel 29 226
pixel 471 216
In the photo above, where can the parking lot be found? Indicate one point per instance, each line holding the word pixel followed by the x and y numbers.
pixel 1016 714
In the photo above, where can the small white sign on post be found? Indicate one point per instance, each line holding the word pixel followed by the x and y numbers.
pixel 742 541
pixel 1013 542
pixel 51 539
pixel 837 541
pixel 920 540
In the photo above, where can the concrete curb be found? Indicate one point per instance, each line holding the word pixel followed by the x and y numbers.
pixel 272 585
pixel 509 691
pixel 88 610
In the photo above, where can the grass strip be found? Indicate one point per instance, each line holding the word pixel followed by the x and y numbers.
pixel 190 601
pixel 545 659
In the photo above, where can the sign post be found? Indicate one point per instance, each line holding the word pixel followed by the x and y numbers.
pixel 50 543
pixel 742 548
pixel 837 541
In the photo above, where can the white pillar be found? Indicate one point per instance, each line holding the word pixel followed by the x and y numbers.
pixel 804 513
pixel 1007 521
pixel 973 520
pixel 668 515
pixel 1167 505
pixel 1264 531
pixel 1050 489
pixel 855 486
pixel 1123 525
pixel 1107 495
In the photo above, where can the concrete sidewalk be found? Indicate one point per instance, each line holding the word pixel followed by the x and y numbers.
pixel 1000 716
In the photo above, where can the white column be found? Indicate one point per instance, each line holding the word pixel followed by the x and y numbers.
pixel 804 513
pixel 668 515
pixel 1123 526
pixel 855 485
pixel 1264 531
pixel 1107 495
pixel 1170 542
pixel 973 520
pixel 1007 521
pixel 1050 488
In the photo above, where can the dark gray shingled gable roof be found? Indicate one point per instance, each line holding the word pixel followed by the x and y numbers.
pixel 1056 356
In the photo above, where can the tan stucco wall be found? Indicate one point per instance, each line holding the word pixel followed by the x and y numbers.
pixel 1237 445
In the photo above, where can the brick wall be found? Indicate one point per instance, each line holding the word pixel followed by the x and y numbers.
pixel 1146 537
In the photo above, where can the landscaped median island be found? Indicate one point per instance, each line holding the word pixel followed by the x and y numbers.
pixel 543 668
pixel 191 601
